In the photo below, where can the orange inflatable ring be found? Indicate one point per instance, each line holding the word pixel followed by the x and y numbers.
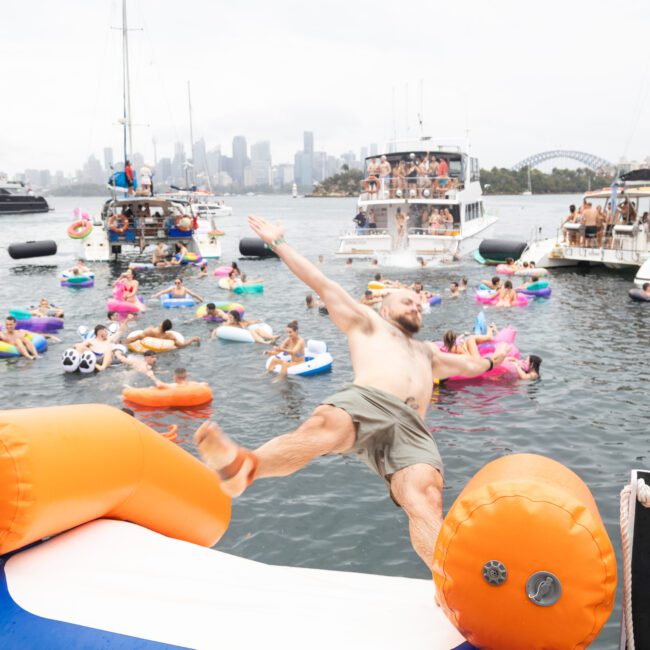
pixel 80 229
pixel 181 220
pixel 525 540
pixel 113 223
pixel 175 396
pixel 63 466
pixel 371 180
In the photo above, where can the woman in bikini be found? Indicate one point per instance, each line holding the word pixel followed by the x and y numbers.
pixel 293 345
pixel 469 344
pixel 507 295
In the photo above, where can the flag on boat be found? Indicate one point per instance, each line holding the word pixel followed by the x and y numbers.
pixel 118 180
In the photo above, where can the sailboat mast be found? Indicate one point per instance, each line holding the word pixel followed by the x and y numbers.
pixel 189 101
pixel 127 87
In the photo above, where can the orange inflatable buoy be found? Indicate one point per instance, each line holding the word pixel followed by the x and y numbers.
pixel 523 559
pixel 183 395
pixel 118 223
pixel 63 466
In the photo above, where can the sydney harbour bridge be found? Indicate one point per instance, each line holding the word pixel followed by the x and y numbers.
pixel 588 160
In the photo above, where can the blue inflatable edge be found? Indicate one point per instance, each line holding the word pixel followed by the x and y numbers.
pixel 480 324
pixel 22 629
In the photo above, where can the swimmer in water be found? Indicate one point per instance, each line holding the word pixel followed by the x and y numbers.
pixel 238 279
pixel 371 299
pixel 102 344
pixel 454 290
pixel 494 283
pixel 527 369
pixel 212 312
pixel 527 283
pixel 144 364
pixel 181 378
pixel 46 309
pixel 293 345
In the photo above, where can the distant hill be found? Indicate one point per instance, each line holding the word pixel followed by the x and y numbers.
pixel 346 183
pixel 559 181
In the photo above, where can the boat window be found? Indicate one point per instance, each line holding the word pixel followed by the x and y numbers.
pixel 475 170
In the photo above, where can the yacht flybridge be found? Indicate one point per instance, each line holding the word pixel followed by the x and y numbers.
pixel 420 199
pixel 620 240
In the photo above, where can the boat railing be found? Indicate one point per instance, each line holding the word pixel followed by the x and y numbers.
pixel 365 232
pixel 439 231
pixel 624 240
pixel 426 187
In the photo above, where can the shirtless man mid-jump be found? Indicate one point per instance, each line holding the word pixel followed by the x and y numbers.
pixel 379 418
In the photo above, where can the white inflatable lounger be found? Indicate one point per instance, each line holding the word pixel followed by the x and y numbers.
pixel 115 584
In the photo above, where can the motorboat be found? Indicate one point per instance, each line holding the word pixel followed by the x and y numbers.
pixel 18 198
pixel 622 240
pixel 429 204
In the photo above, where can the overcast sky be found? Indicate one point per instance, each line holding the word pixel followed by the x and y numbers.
pixel 523 76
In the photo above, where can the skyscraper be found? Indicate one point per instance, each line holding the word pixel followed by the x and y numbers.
pixel 261 163
pixel 239 158
pixel 308 142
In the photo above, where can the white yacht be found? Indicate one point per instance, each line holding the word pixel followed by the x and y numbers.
pixel 625 242
pixel 204 203
pixel 443 212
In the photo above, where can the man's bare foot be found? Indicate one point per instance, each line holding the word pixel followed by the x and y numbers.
pixel 222 454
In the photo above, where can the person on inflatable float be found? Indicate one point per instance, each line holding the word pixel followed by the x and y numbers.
pixel 178 291
pixel 46 309
pixel 527 368
pixel 507 295
pixel 234 319
pixel 380 417
pixel 527 283
pixel 18 338
pixel 102 344
pixel 162 331
pixel 469 344
pixel 293 345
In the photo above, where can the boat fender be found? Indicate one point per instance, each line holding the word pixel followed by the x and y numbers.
pixel 23 250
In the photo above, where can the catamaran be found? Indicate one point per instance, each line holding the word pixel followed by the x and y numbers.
pixel 421 199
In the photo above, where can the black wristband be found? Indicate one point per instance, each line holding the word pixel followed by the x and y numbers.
pixel 491 363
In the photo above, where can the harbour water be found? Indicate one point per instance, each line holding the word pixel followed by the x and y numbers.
pixel 589 411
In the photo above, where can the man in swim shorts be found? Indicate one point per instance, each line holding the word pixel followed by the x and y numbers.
pixel 379 418
pixel 18 338
pixel 102 345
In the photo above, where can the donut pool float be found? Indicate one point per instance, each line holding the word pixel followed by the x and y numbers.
pixel 8 350
pixel 154 343
pixel 241 334
pixel 539 289
pixel 169 396
pixel 222 271
pixel 492 297
pixel 506 269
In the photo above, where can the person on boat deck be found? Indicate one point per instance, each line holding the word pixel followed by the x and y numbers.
pixel 162 331
pixel 18 338
pixel 102 344
pixel 348 262
pixel 144 364
pixel 469 344
pixel 384 172
pixel 233 281
pixel 178 290
pixel 145 181
pixel 454 290
pixel 527 369
pixel 570 218
pixel 527 283
pixel 590 222
pixel 372 222
pixel 494 283
pixel 371 299
pixel 379 418
pixel 360 220
pixel 234 319
pixel 293 345
pixel 46 309
pixel 129 177
pixel 507 295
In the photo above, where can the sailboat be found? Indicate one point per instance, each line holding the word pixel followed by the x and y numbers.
pixel 294 191
pixel 133 223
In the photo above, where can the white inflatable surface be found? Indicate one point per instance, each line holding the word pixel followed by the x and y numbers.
pixel 122 578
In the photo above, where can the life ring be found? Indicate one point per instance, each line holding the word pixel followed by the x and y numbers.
pixel 119 229
pixel 80 229
pixel 181 222
pixel 371 180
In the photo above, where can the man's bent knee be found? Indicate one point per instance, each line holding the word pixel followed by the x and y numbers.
pixel 334 425
pixel 417 488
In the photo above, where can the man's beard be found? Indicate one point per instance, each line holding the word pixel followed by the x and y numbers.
pixel 408 324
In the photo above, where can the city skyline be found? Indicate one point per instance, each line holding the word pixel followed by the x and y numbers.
pixel 261 70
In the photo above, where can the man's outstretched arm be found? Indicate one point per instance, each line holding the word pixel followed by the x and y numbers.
pixel 450 365
pixel 343 309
